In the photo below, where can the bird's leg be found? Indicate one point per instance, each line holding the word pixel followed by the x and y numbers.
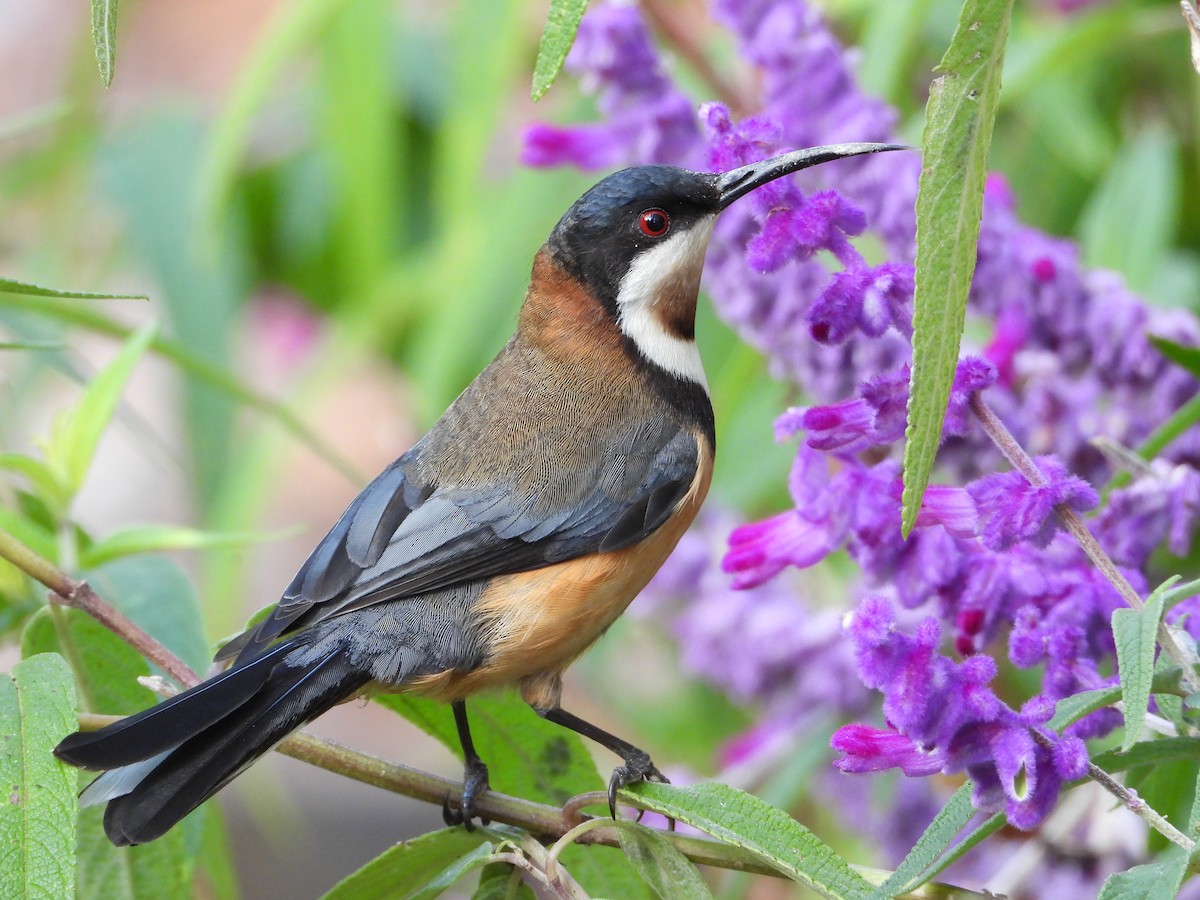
pixel 475 774
pixel 637 767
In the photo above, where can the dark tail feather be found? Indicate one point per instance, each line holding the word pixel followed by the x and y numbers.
pixel 170 723
pixel 208 735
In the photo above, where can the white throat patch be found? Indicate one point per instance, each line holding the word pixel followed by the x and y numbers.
pixel 678 257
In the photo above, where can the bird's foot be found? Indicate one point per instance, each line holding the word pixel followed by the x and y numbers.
pixel 638 767
pixel 475 785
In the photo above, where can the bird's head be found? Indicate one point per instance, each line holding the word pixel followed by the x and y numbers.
pixel 636 243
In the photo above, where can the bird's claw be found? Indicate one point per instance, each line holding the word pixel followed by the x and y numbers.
pixel 637 767
pixel 475 785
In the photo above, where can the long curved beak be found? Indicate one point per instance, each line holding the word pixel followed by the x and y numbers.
pixel 742 181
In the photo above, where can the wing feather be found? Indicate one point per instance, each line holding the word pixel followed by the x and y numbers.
pixel 408 533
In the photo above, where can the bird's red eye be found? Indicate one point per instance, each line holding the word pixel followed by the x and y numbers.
pixel 654 223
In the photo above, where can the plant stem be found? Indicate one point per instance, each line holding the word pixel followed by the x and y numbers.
pixel 545 822
pixel 666 23
pixel 1022 462
pixel 79 595
pixel 1128 799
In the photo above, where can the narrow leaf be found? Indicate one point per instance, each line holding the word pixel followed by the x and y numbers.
pixel 668 872
pixel 160 870
pixel 1071 709
pixel 973 839
pixel 1159 880
pixel 37 828
pixel 104 36
pixel 293 28
pixel 8 286
pixel 945 827
pixel 1132 216
pixel 78 431
pixel 502 881
pixel 1183 356
pixel 159 538
pixel 1178 593
pixel 401 869
pixel 158 596
pixel 562 24
pixel 444 880
pixel 958 130
pixel 770 834
pixel 1149 753
pixel 44 480
pixel 1134 632
pixel 32 345
pixel 108 668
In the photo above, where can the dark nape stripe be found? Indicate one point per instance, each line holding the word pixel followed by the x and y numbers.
pixel 687 397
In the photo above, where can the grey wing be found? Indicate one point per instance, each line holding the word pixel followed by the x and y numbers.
pixel 401 537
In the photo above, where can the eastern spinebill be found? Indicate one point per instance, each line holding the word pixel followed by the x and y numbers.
pixel 507 540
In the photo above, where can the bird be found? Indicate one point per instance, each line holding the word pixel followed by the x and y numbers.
pixel 498 548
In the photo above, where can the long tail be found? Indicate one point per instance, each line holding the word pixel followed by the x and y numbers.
pixel 164 762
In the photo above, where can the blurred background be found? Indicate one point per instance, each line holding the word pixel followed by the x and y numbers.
pixel 323 202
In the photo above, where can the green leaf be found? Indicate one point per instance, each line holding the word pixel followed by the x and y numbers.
pixel 294 27
pixel 160 870
pixel 526 755
pixel 974 838
pixel 958 130
pixel 1180 592
pixel 1158 880
pixel 37 828
pixel 1071 709
pixel 106 668
pixel 1183 356
pixel 359 143
pixel 214 859
pixel 404 868
pixel 743 820
pixel 562 24
pixel 8 286
pixel 605 872
pixel 444 880
pixel 1131 218
pixel 42 479
pixel 945 827
pixel 668 872
pixel 104 36
pixel 32 345
pixel 157 596
pixel 157 538
pixel 1170 706
pixel 502 881
pixel 191 363
pixel 1134 632
pixel 1149 753
pixel 32 534
pixel 78 431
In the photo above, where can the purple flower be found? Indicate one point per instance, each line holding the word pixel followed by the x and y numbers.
pixel 879 415
pixel 1161 507
pixel 760 550
pixel 1011 509
pixel 868 749
pixel 863 299
pixel 945 717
